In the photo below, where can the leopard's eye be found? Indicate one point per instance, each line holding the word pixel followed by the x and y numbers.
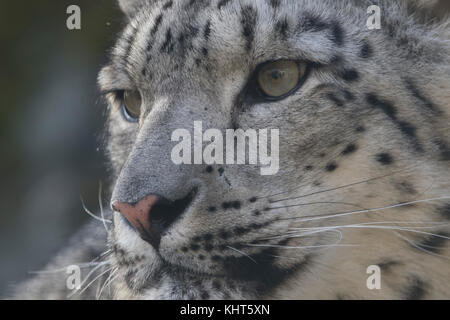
pixel 280 78
pixel 132 102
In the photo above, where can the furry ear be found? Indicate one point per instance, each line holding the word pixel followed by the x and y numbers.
pixel 129 7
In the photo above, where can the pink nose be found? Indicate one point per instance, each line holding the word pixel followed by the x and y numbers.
pixel 139 216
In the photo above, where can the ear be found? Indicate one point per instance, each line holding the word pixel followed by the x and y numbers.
pixel 129 7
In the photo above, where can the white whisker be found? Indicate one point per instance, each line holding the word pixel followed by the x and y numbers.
pixel 101 207
pixel 301 247
pixel 86 279
pixel 108 281
pixel 398 228
pixel 91 214
pixel 243 253
pixel 64 269
pixel 420 247
pixel 90 283
pixel 342 214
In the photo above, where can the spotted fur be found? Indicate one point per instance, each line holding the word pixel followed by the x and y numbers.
pixel 364 172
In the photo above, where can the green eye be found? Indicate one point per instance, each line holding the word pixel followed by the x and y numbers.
pixel 132 102
pixel 279 78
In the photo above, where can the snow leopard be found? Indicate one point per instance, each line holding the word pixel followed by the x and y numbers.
pixel 360 205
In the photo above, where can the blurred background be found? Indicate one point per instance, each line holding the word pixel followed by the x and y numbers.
pixel 51 122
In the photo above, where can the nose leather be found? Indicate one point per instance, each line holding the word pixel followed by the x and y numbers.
pixel 139 215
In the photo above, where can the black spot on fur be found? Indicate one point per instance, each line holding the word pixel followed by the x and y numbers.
pixel 311 23
pixel 348 95
pixel 208 247
pixel 222 3
pixel 434 243
pixel 386 265
pixel 275 3
pixel 221 170
pixel 224 234
pixel 389 109
pixel 331 166
pixel 208 237
pixel 443 149
pixel 337 34
pixel 416 290
pixel 248 22
pixel 332 97
pixel 167 46
pixel 201 257
pixel 282 28
pixel 366 50
pixel 195 247
pixel 384 158
pixel 168 5
pixel 360 129
pixel 407 128
pixel 420 96
pixel 350 75
pixel 204 295
pixel 209 169
pixel 158 21
pixel 256 213
pixel 236 204
pixel 309 168
pixel 407 187
pixel 253 199
pixel 445 211
pixel 207 30
pixel 226 205
pixel 240 231
pixel 349 149
pixel 385 106
pixel 212 209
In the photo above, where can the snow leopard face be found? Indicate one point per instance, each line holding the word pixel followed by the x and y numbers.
pixel 363 145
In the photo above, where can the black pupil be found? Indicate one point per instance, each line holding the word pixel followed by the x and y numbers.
pixel 277 74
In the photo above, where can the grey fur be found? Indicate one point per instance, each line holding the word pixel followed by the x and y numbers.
pixel 359 80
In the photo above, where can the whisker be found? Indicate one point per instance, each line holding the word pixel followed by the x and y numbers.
pixel 420 247
pixel 335 188
pixel 320 202
pixel 301 247
pixel 438 223
pixel 90 283
pixel 243 253
pixel 296 235
pixel 342 214
pixel 64 269
pixel 112 276
pixel 367 226
pixel 85 279
pixel 101 206
pixel 91 214
pixel 102 255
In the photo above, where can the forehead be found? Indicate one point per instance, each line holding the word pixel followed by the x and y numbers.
pixel 182 37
